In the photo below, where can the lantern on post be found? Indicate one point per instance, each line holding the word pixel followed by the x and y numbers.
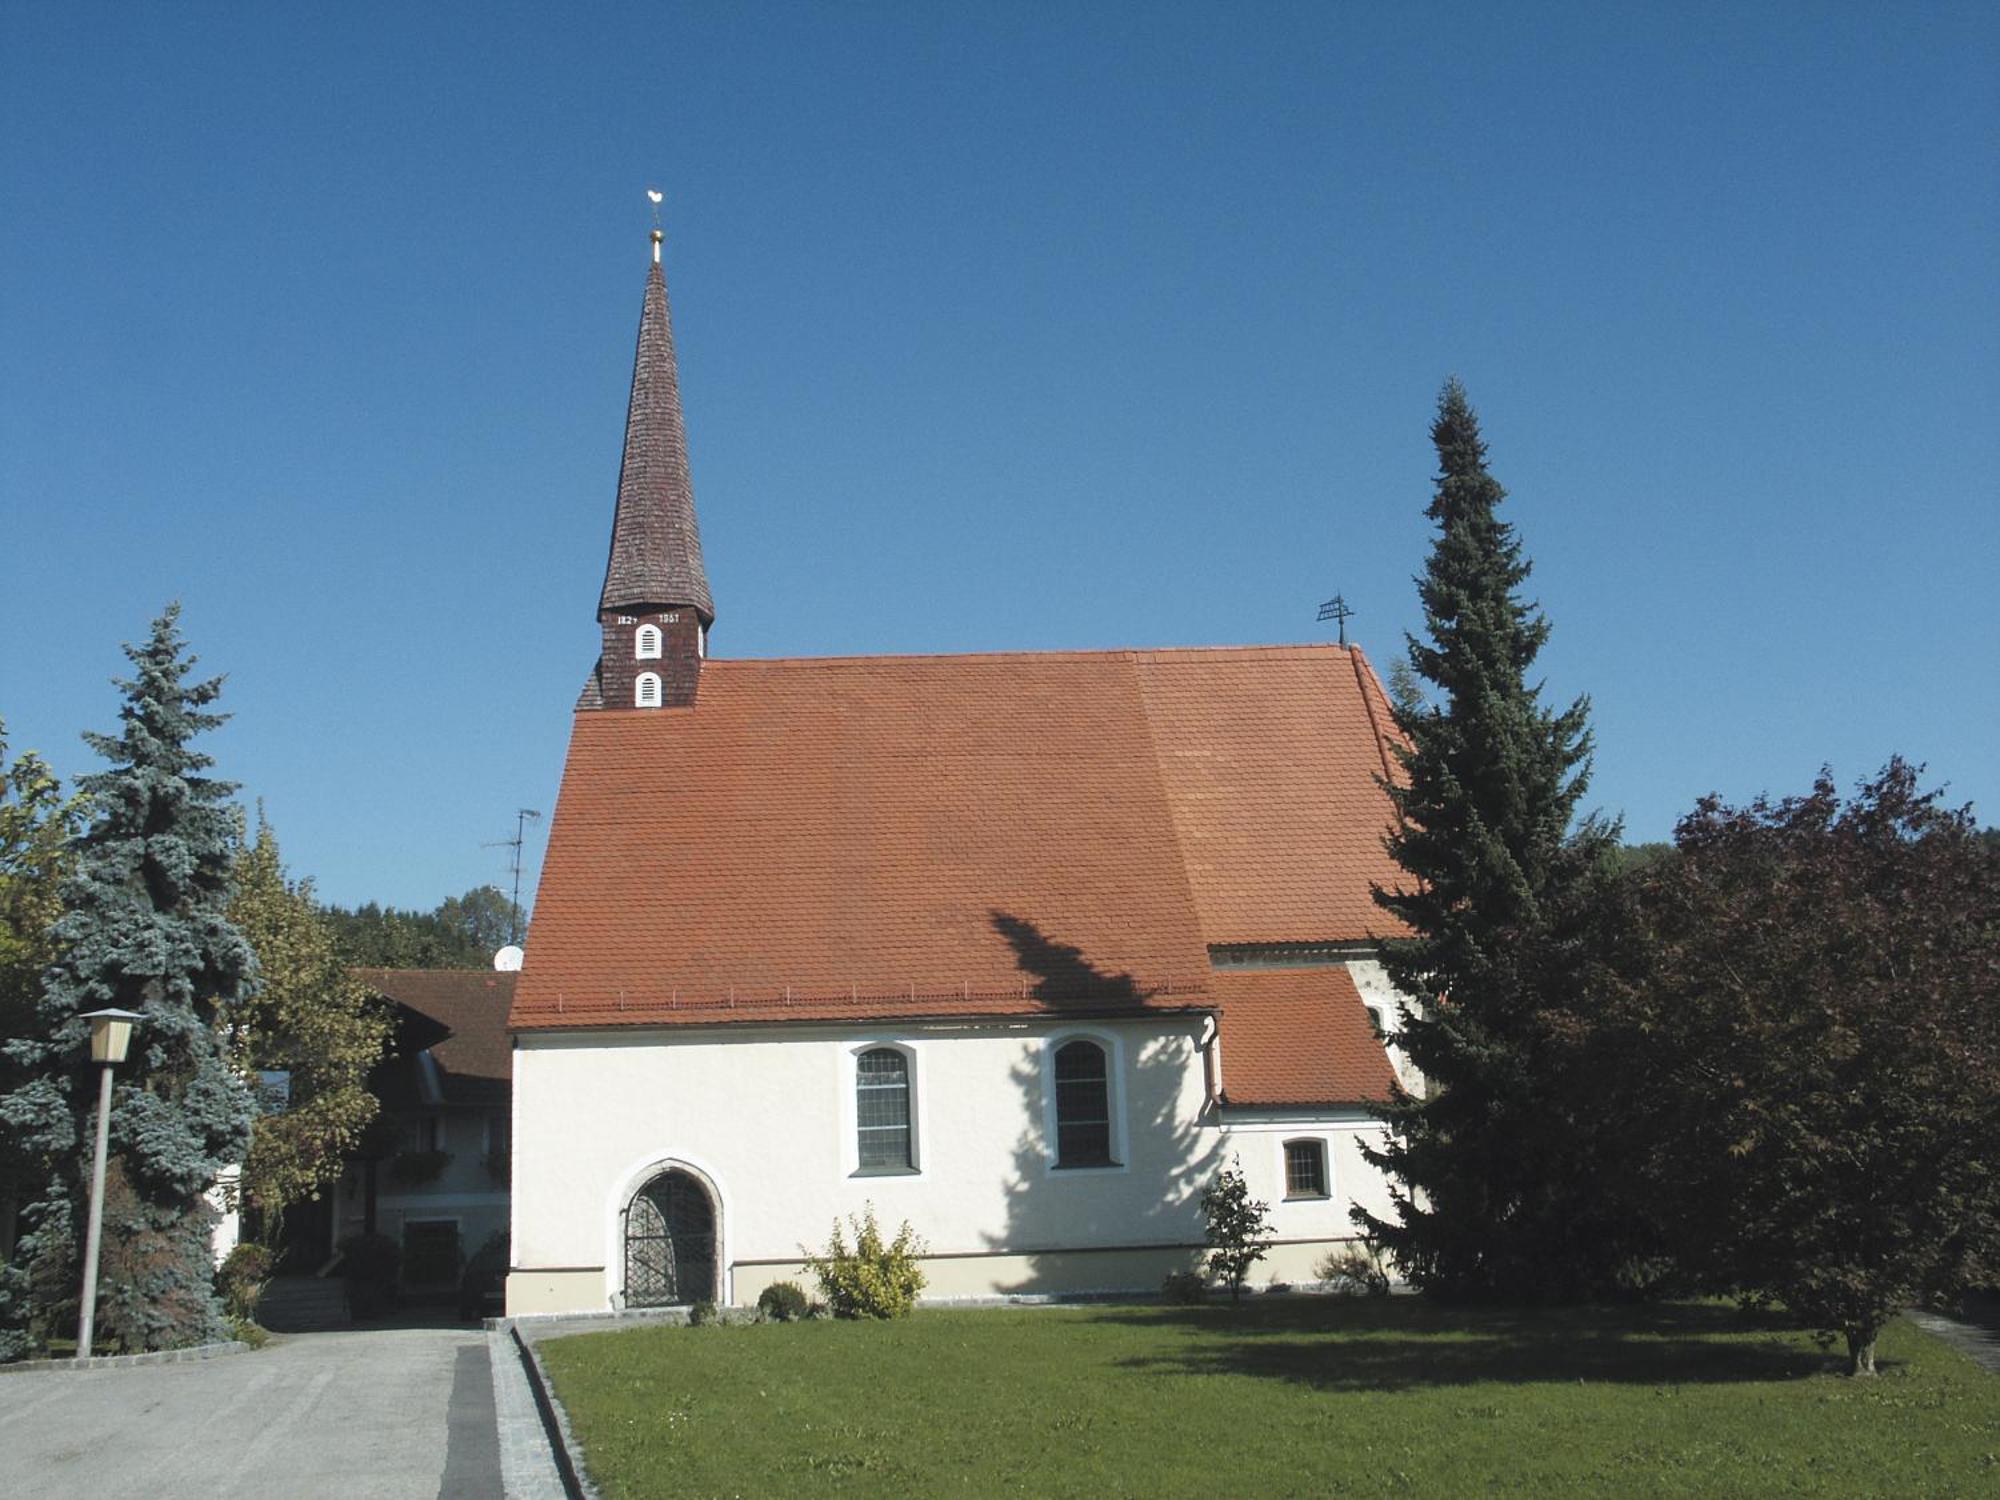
pixel 110 1035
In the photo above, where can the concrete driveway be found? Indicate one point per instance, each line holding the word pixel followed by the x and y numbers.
pixel 399 1412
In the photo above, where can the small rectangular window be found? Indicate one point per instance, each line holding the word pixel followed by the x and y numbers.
pixel 1305 1169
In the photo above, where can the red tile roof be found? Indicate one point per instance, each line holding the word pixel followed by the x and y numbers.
pixel 1004 834
pixel 1297 1036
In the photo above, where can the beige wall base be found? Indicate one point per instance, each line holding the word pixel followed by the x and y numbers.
pixel 531 1292
pixel 949 1278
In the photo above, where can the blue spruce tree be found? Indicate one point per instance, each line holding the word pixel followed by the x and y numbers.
pixel 143 928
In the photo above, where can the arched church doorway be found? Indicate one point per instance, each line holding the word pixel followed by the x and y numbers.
pixel 670 1243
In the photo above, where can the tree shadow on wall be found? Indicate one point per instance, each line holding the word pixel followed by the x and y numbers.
pixel 1171 1147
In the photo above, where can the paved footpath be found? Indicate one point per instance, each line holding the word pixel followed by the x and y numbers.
pixel 372 1414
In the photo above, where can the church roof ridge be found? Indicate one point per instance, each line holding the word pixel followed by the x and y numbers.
pixel 655 554
pixel 1292 651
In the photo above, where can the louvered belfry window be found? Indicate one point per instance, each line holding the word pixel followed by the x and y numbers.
pixel 1083 1106
pixel 882 1110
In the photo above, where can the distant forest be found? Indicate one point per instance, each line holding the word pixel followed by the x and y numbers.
pixel 462 932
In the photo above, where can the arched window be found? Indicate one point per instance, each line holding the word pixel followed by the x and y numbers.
pixel 1083 1106
pixel 646 644
pixel 882 1110
pixel 646 691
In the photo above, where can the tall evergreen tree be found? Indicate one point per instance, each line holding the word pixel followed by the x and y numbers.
pixel 144 928
pixel 1492 1202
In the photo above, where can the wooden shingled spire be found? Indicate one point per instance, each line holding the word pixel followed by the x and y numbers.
pixel 655 608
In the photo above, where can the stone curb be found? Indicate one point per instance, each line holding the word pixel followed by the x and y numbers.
pixel 125 1361
pixel 563 1446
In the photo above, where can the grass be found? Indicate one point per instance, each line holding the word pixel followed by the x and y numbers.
pixel 1306 1396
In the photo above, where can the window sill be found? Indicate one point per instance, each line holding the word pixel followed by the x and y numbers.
pixel 1088 1166
pixel 1308 1197
pixel 887 1172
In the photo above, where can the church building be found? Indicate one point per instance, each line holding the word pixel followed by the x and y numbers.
pixel 1021 948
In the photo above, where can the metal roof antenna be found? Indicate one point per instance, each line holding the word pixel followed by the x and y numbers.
pixel 522 816
pixel 658 234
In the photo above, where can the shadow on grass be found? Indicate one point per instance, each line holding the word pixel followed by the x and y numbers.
pixel 1406 1344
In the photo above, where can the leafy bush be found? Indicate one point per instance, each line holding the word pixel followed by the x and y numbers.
pixel 247 1331
pixel 1356 1270
pixel 1184 1287
pixel 240 1279
pixel 1238 1228
pixel 874 1279
pixel 703 1313
pixel 782 1302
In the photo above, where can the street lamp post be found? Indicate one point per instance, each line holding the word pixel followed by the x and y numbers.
pixel 110 1033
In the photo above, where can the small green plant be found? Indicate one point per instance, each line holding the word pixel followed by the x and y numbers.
pixel 782 1302
pixel 1355 1270
pixel 246 1331
pixel 1184 1288
pixel 874 1279
pixel 702 1314
pixel 1239 1228
pixel 240 1279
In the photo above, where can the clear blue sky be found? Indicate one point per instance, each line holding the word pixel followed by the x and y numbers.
pixel 1001 326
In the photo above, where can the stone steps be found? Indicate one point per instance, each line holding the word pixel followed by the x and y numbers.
pixel 303 1304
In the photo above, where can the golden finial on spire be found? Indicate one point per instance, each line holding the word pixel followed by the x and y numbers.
pixel 658 234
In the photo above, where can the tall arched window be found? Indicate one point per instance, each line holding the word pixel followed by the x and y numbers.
pixel 646 691
pixel 882 1110
pixel 1083 1106
pixel 646 644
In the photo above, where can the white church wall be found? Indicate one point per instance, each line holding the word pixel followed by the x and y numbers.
pixel 768 1118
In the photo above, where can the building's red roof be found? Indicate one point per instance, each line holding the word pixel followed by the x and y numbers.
pixel 1297 1036
pixel 475 1056
pixel 967 835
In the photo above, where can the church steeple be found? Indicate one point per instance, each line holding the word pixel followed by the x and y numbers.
pixel 655 608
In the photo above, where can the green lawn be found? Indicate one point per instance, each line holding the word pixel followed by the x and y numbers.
pixel 1301 1396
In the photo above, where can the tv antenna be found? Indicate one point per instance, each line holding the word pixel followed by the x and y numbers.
pixel 1336 609
pixel 521 819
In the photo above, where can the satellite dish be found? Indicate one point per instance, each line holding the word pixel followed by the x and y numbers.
pixel 508 959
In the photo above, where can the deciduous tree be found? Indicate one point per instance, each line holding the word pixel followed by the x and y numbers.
pixel 1817 1029
pixel 309 1021
pixel 37 822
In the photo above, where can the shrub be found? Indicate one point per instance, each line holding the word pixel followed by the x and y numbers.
pixel 1184 1287
pixel 703 1313
pixel 873 1279
pixel 782 1302
pixel 240 1279
pixel 1238 1228
pixel 1356 1270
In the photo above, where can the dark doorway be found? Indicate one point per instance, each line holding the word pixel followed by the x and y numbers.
pixel 670 1243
